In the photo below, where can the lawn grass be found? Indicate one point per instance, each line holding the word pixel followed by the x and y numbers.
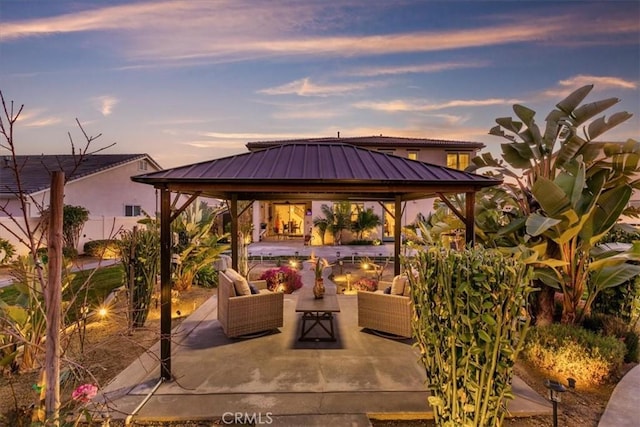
pixel 102 282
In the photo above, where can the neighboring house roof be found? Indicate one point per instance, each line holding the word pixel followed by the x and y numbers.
pixel 35 170
pixel 376 142
pixel 323 168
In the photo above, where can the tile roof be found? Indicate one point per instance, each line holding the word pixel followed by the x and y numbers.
pixel 35 170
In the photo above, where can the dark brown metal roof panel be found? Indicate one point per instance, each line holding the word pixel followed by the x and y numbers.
pixel 314 162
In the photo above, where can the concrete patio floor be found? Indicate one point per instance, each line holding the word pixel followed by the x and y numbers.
pixel 281 381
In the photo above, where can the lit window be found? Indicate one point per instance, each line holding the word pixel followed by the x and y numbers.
pixel 412 155
pixel 132 210
pixel 355 209
pixel 458 160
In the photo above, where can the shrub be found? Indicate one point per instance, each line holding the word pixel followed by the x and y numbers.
pixel 362 242
pixel 287 276
pixel 207 277
pixel 622 301
pixel 102 248
pixel 7 250
pixel 365 284
pixel 613 326
pixel 469 327
pixel 573 351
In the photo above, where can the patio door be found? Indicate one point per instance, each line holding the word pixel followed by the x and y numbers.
pixel 288 218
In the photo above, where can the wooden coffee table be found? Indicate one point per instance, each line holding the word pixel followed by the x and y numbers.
pixel 318 315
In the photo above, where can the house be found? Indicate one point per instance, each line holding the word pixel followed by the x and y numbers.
pixel 101 183
pixel 294 218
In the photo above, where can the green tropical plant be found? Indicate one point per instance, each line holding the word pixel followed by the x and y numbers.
pixel 140 256
pixel 568 193
pixel 322 223
pixel 196 245
pixel 341 220
pixel 366 220
pixel 23 321
pixel 470 325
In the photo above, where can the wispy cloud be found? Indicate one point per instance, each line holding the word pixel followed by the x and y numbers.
pixel 304 114
pixel 176 31
pixel 603 82
pixel 566 86
pixel 415 69
pixel 305 87
pixel 105 104
pixel 401 105
pixel 254 136
pixel 37 118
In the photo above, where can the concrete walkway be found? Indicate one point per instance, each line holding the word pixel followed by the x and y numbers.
pixel 281 380
pixel 623 409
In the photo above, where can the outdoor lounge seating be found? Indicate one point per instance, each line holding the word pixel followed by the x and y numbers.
pixel 388 313
pixel 241 312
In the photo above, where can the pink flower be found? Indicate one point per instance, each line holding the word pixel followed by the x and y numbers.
pixel 84 393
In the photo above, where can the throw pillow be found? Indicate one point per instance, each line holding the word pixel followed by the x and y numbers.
pixel 240 283
pixel 254 289
pixel 387 290
pixel 397 285
pixel 407 289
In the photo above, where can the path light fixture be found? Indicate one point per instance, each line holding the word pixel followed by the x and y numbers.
pixel 348 280
pixel 340 263
pixel 555 391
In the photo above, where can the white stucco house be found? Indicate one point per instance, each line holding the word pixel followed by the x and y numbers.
pixel 101 183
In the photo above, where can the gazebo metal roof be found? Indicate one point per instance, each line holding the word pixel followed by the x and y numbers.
pixel 301 171
pixel 316 171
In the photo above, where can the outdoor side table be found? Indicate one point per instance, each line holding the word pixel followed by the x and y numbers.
pixel 318 316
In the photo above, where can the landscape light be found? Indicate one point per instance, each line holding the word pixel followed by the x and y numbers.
pixel 555 391
pixel 102 312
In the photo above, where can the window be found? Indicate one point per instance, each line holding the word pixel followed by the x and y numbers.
pixel 142 165
pixel 387 150
pixel 412 155
pixel 132 210
pixel 355 209
pixel 458 160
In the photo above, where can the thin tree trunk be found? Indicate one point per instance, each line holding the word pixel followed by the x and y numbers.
pixel 53 299
pixel 544 305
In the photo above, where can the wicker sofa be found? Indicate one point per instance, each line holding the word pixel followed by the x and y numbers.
pixel 386 312
pixel 241 314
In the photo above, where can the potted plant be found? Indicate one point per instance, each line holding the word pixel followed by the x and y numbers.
pixel 318 267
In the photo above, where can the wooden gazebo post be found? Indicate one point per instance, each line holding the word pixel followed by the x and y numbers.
pixel 165 283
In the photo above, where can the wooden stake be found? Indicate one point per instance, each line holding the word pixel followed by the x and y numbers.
pixel 53 299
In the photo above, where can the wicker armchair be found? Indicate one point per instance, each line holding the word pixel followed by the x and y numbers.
pixel 247 314
pixel 386 313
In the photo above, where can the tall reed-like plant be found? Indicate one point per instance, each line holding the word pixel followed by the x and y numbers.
pixel 470 325
pixel 140 251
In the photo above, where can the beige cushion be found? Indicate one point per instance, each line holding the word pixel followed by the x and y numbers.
pixel 240 283
pixel 407 289
pixel 398 285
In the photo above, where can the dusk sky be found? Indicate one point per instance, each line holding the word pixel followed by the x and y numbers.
pixel 196 80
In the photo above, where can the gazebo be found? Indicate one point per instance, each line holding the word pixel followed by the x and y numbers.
pixel 302 171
